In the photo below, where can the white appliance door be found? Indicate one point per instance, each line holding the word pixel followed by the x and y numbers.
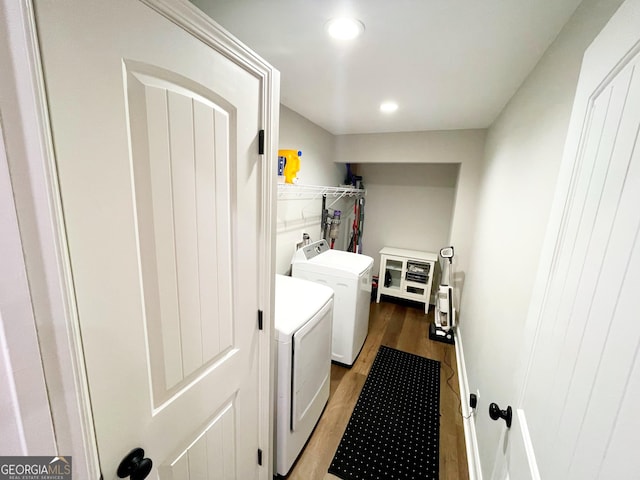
pixel 311 365
pixel 578 415
pixel 155 143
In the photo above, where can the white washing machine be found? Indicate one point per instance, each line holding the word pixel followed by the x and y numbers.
pixel 303 319
pixel 349 275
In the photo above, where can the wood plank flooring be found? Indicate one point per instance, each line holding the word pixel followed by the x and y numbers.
pixel 404 327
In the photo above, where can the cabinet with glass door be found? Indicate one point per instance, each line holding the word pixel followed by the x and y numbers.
pixel 406 274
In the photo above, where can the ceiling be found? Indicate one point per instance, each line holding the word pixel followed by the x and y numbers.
pixel 449 64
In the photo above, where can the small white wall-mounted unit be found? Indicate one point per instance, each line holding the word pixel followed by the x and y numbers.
pixel 303 318
pixel 349 275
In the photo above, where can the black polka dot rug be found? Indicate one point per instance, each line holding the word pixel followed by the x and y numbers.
pixel 393 433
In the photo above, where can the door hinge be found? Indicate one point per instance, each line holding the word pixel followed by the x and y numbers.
pixel 259 456
pixel 261 142
pixel 259 319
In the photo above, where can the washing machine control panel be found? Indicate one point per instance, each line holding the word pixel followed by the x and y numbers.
pixel 315 248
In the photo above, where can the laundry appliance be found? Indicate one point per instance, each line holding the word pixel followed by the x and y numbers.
pixel 303 321
pixel 349 275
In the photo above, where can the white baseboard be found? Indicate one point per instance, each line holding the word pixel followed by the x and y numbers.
pixel 468 417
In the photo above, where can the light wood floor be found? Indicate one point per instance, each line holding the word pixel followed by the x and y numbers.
pixel 404 327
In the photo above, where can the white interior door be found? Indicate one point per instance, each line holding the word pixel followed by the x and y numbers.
pixel 156 144
pixel 577 416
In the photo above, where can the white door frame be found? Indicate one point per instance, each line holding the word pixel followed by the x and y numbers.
pixel 33 177
pixel 38 204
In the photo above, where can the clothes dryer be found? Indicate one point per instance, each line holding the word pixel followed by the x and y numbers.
pixel 303 320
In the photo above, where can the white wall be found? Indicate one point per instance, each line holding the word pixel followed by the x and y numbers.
pixel 462 147
pixel 317 167
pixel 408 206
pixel 523 152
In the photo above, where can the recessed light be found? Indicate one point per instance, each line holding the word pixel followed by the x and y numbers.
pixel 388 107
pixel 344 28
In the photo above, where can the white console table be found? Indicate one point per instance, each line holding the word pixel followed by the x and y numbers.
pixel 406 274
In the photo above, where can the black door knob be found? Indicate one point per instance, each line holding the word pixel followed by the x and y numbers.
pixel 495 413
pixel 134 465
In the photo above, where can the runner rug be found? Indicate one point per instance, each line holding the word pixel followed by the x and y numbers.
pixel 393 432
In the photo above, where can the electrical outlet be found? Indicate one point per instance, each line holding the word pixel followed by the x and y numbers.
pixel 473 400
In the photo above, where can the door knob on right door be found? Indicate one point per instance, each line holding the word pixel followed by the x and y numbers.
pixel 495 413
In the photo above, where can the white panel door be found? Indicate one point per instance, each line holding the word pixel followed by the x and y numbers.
pixel 155 137
pixel 576 418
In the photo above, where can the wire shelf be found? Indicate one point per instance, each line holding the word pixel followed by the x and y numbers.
pixel 289 191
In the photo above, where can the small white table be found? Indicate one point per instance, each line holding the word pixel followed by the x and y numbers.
pixel 406 274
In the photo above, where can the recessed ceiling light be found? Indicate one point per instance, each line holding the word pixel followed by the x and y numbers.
pixel 388 107
pixel 344 28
